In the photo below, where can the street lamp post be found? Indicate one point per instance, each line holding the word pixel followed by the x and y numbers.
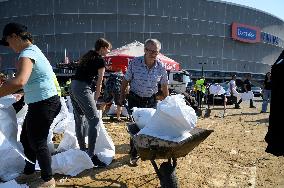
pixel 202 71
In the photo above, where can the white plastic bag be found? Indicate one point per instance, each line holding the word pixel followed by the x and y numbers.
pixel 113 108
pixel 247 95
pixel 7 101
pixel 216 89
pixel 172 120
pixel 142 115
pixel 12 184
pixel 104 148
pixel 69 141
pixel 71 162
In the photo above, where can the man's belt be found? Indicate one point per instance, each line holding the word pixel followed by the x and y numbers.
pixel 141 98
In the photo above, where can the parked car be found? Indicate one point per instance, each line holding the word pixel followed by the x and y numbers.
pixel 257 91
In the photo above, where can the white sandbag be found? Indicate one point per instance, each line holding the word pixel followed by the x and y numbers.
pixel 11 151
pixel 13 184
pixel 69 141
pixel 70 125
pixel 113 109
pixel 21 115
pixel 247 95
pixel 7 101
pixel 172 120
pixel 50 143
pixel 8 122
pixel 11 162
pixel 104 147
pixel 124 112
pixel 61 126
pixel 69 104
pixel 61 115
pixel 71 162
pixel 142 115
pixel 216 89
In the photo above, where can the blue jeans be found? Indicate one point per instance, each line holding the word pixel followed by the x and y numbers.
pixel 266 99
pixel 84 107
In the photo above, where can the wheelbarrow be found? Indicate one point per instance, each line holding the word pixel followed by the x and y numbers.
pixel 152 148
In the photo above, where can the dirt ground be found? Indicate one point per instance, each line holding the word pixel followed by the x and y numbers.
pixel 232 156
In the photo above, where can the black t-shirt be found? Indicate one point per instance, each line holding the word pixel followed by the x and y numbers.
pixel 267 85
pixel 88 71
pixel 247 84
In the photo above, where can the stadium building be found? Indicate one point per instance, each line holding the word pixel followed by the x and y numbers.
pixel 213 36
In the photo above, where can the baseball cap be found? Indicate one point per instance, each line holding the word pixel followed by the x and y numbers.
pixel 11 28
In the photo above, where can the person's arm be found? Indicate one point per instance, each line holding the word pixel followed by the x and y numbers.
pixel 245 87
pixel 24 70
pixel 231 88
pixel 165 90
pixel 123 91
pixel 101 73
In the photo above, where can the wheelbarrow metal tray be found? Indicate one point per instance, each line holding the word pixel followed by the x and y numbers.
pixel 150 148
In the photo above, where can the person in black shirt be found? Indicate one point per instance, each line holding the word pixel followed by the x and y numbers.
pixel 246 88
pixel 90 70
pixel 266 92
pixel 274 136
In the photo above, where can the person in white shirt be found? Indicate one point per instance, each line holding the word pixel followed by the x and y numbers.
pixel 233 91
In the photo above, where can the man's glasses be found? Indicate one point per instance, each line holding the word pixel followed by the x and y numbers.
pixel 152 51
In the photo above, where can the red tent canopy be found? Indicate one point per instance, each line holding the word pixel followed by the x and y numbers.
pixel 119 58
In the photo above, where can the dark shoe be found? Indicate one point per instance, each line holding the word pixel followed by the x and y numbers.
pixel 275 152
pixel 133 160
pixel 237 107
pixel 24 178
pixel 97 163
pixel 252 107
pixel 262 111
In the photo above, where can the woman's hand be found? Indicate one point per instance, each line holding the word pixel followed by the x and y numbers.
pixel 18 96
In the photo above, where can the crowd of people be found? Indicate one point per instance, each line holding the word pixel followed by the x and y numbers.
pixel 145 77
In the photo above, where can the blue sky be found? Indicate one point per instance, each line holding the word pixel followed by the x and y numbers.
pixel 274 7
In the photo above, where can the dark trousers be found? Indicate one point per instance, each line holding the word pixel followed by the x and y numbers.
pixel 250 102
pixel 199 96
pixel 139 102
pixel 34 135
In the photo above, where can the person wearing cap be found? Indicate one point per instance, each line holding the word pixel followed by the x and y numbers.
pixel 35 76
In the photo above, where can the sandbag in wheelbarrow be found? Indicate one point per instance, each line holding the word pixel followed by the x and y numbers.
pixel 150 148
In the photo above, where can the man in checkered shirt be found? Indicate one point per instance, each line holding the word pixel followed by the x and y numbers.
pixel 144 74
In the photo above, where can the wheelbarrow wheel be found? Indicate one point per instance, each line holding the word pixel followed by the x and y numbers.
pixel 168 177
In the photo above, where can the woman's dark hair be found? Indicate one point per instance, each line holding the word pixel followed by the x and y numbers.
pixel 26 36
pixel 90 55
pixel 266 76
pixel 102 43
